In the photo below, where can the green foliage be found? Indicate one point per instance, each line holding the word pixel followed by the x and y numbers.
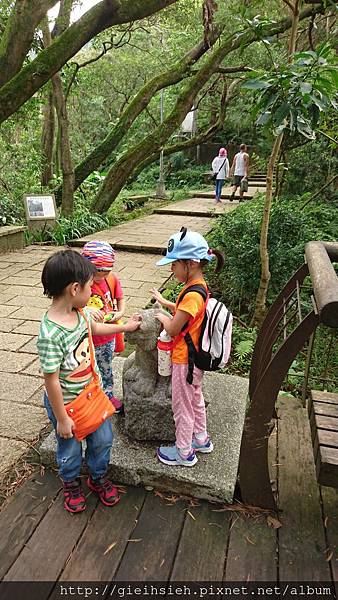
pixel 243 342
pixel 293 96
pixel 310 166
pixel 237 235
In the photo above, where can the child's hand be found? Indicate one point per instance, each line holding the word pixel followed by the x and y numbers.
pixel 97 315
pixel 157 295
pixel 117 316
pixel 65 427
pixel 133 323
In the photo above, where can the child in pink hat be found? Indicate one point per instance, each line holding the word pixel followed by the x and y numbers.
pixel 106 299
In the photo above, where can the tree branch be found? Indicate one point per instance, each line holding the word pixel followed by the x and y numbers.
pixel 175 74
pixel 120 171
pixel 25 83
pixel 18 35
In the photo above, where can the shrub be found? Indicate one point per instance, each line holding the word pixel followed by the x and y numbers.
pixel 237 235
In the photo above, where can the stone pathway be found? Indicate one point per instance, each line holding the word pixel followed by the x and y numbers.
pixel 22 304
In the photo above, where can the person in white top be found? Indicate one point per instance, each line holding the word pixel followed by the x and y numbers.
pixel 240 171
pixel 220 168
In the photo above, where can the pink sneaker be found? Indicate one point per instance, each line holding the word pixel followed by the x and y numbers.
pixel 116 403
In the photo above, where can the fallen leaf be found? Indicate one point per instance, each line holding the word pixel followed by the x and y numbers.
pixel 216 525
pixel 273 522
pixel 162 563
pixel 329 556
pixel 249 540
pixel 110 547
pixel 135 540
pixel 326 522
pixel 191 515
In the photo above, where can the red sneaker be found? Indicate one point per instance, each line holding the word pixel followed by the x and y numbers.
pixel 74 498
pixel 119 409
pixel 104 489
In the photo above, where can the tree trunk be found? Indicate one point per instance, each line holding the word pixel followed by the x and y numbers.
pixel 260 306
pixel 64 148
pixel 25 82
pixel 48 132
pixel 67 166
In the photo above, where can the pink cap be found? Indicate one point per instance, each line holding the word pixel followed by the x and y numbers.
pixel 222 152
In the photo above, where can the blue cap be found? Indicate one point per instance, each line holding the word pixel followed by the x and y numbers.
pixel 188 245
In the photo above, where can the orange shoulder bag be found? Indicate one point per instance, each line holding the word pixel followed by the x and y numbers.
pixel 91 407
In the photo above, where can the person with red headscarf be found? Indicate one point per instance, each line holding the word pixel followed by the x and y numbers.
pixel 220 168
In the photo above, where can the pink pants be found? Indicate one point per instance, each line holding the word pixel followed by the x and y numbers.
pixel 188 405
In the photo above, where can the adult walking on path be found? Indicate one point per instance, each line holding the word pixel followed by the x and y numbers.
pixel 240 171
pixel 220 168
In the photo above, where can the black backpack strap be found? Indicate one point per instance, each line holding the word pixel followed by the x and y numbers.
pixel 200 289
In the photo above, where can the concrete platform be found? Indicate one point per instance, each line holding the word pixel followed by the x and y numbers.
pixel 214 476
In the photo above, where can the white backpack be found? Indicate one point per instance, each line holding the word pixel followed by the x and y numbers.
pixel 214 343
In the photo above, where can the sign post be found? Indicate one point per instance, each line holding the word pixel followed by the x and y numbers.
pixel 40 211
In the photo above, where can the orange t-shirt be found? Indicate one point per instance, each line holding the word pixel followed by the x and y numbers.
pixel 192 303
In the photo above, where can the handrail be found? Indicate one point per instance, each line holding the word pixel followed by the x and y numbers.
pixel 324 279
pixel 270 364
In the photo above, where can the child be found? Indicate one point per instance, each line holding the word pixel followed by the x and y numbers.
pixel 187 252
pixel 106 292
pixel 63 347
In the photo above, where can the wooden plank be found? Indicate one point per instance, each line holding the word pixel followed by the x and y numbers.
pixel 150 556
pixel 328 410
pixel 328 438
pixel 252 553
pixel 47 551
pixel 328 466
pixel 327 397
pixel 202 548
pixel 20 517
pixel 326 423
pixel 302 541
pixel 103 542
pixel 330 509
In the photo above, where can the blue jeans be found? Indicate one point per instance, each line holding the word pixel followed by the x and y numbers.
pixel 104 355
pixel 218 188
pixel 69 452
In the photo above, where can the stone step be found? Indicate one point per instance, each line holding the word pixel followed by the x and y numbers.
pixel 225 195
pixel 214 476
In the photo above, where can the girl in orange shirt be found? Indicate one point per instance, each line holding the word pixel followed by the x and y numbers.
pixel 187 252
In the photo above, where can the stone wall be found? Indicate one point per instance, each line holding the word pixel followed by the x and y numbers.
pixel 12 238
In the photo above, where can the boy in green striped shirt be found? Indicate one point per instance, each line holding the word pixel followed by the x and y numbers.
pixel 63 347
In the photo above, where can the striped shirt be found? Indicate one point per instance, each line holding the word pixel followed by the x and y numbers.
pixel 67 351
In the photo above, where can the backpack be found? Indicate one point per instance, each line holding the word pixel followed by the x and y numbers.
pixel 214 342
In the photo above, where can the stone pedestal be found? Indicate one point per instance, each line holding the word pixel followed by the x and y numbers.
pixel 146 394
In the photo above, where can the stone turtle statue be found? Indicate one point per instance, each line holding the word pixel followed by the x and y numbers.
pixel 146 394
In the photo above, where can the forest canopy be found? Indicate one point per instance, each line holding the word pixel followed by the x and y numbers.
pixel 80 100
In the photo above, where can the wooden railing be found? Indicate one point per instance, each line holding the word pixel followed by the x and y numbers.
pixel 286 328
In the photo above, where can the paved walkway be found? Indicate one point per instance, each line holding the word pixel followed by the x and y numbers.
pixel 22 304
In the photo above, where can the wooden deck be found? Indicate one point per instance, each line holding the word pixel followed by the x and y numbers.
pixel 149 536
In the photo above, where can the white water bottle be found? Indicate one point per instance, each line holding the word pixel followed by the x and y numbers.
pixel 164 349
